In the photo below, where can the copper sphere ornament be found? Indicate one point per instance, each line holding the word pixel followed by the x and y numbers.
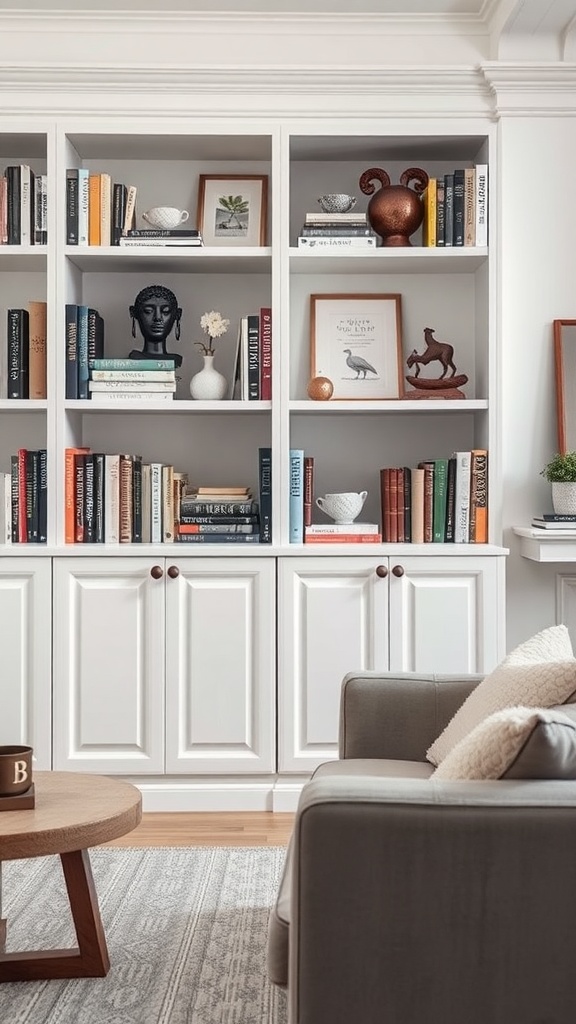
pixel 396 211
pixel 320 389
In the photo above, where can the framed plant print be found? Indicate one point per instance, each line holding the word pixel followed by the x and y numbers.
pixel 356 341
pixel 233 209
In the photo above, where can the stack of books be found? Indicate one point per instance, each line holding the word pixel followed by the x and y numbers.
pixel 168 237
pixel 555 522
pixel 348 533
pixel 334 231
pixel 218 515
pixel 113 380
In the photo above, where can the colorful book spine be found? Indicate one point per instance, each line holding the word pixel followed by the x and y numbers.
pixel 296 506
pixel 132 364
pixel 440 493
pixel 479 496
pixel 430 214
pixel 112 499
pixel 462 498
pixel 247 508
pixel 308 489
pixel 458 225
pixel 469 206
pixel 265 353
pixel 71 350
pixel 448 209
pixel 218 538
pixel 83 205
pixel 94 209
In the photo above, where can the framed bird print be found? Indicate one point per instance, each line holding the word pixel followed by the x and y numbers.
pixel 356 341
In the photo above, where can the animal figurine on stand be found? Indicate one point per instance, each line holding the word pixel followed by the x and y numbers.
pixel 440 387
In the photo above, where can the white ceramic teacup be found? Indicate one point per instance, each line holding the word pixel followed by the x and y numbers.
pixel 344 507
pixel 165 216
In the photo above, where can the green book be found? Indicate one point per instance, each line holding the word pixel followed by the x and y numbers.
pixel 131 364
pixel 440 497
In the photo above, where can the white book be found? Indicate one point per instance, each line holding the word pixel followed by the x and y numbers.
pixel 146 503
pixel 340 242
pixel 25 204
pixel 83 205
pixel 167 504
pixel 111 499
pixel 244 359
pixel 319 528
pixel 336 218
pixel 6 509
pixel 133 375
pixel 130 208
pixel 462 498
pixel 166 243
pixel 137 386
pixel 156 502
pixel 108 397
pixel 482 204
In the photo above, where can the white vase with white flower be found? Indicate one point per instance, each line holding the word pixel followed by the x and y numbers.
pixel 208 384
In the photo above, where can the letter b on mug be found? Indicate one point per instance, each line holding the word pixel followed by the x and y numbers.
pixel 15 770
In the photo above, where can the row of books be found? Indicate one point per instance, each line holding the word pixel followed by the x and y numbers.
pixel 84 342
pixel 24 498
pixel 456 208
pixel 23 206
pixel 439 501
pixel 23 356
pixel 252 376
pixel 337 231
pixel 98 210
pixel 112 380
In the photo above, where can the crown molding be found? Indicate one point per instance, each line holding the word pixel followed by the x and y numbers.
pixel 528 89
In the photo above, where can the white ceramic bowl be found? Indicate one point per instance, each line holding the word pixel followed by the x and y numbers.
pixel 337 202
pixel 343 507
pixel 165 217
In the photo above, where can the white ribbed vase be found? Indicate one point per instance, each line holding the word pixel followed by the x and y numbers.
pixel 564 498
pixel 208 385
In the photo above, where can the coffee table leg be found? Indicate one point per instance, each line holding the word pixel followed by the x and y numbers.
pixel 90 959
pixel 2 919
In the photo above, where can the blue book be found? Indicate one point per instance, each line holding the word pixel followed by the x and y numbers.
pixel 83 352
pixel 265 493
pixel 71 350
pixel 296 509
pixel 131 364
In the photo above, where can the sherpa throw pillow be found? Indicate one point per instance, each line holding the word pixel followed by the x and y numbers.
pixel 518 743
pixel 539 673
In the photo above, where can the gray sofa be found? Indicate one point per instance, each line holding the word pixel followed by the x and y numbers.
pixel 406 900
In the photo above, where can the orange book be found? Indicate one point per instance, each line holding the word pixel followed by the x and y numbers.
pixel 345 538
pixel 37 350
pixel 478 496
pixel 94 209
pixel 70 493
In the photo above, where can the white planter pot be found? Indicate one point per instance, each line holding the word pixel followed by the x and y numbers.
pixel 564 499
pixel 208 384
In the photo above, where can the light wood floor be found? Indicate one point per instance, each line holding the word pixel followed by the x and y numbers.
pixel 257 828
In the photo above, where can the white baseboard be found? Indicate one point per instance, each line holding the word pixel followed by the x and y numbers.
pixel 270 794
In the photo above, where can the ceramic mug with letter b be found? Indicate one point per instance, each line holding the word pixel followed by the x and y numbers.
pixel 15 770
pixel 344 506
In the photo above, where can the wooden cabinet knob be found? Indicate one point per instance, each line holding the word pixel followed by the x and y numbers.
pixel 173 571
pixel 398 570
pixel 382 571
pixel 156 572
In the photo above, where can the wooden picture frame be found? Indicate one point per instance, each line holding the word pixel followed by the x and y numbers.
pixel 347 331
pixel 565 369
pixel 233 209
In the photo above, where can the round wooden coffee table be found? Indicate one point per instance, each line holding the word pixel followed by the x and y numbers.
pixel 72 812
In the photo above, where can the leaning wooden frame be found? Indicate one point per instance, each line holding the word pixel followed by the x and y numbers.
pixel 356 341
pixel 232 209
pixel 565 372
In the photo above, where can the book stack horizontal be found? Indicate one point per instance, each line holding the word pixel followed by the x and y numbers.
pixel 23 512
pixel 556 522
pixel 23 364
pixel 113 380
pixel 23 206
pixel 337 231
pixel 345 533
pixel 218 515
pixel 167 237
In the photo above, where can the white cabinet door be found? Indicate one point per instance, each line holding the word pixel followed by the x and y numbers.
pixel 446 614
pixel 220 665
pixel 108 665
pixel 333 618
pixel 26 644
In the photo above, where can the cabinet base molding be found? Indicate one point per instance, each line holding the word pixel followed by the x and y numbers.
pixel 223 794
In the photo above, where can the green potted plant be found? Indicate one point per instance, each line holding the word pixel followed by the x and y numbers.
pixel 561 472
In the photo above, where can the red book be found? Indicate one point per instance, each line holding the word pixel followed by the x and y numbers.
pixel 22 525
pixel 393 518
pixel 265 354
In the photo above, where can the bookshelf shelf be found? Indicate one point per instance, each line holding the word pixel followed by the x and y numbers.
pixel 390 407
pixel 27 405
pixel 201 260
pixel 415 260
pixel 179 405
pixel 27 258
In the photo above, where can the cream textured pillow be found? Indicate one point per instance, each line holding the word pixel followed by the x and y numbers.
pixel 538 673
pixel 519 743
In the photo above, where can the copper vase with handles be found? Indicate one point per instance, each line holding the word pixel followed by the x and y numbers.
pixel 396 211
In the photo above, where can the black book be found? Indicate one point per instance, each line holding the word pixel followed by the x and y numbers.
pixel 265 489
pixel 448 209
pixel 72 206
pixel 89 512
pixel 450 500
pixel 18 347
pixel 13 175
pixel 119 194
pixel 253 357
pixel 163 233
pixel 32 469
pixel 458 203
pixel 137 499
pixel 95 335
pixel 99 483
pixel 71 350
pixel 79 477
pixel 42 496
pixel 188 520
pixel 214 508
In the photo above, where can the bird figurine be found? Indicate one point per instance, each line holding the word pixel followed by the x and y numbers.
pixel 358 364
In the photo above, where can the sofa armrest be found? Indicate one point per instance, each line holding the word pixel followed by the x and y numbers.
pixel 393 879
pixel 397 715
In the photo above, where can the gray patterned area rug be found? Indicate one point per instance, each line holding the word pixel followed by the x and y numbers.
pixel 186 933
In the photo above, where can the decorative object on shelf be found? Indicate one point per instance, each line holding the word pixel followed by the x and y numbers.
pixel 337 202
pixel 320 389
pixel 208 384
pixel 165 217
pixel 344 506
pixel 565 367
pixel 437 387
pixel 232 209
pixel 15 770
pixel 156 311
pixel 396 211
pixel 561 473
pixel 355 341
